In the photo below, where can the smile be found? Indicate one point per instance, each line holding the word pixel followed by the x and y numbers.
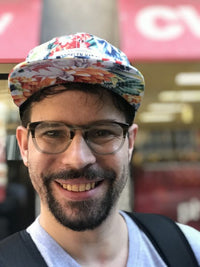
pixel 78 187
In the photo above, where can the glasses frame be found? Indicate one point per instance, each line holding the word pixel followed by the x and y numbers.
pixel 31 126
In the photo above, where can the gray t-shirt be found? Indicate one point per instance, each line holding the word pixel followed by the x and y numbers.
pixel 141 251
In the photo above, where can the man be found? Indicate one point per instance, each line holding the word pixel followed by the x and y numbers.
pixel 77 97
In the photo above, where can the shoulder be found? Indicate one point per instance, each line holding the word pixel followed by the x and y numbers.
pixel 18 250
pixel 193 237
pixel 9 242
pixel 150 224
pixel 9 249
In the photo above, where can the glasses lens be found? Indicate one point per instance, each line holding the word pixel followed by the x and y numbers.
pixel 55 137
pixel 105 138
pixel 52 137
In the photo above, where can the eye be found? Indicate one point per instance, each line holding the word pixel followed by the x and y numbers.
pixel 104 133
pixel 52 134
pixel 100 133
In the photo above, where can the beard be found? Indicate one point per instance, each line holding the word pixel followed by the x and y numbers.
pixel 87 214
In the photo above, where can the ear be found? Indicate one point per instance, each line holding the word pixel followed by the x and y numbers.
pixel 22 139
pixel 132 135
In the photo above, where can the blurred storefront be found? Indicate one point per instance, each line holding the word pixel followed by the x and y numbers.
pixel 162 39
pixel 18 18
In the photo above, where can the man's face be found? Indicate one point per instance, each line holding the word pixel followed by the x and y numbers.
pixel 99 179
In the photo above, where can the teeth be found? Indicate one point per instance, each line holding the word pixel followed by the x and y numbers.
pixel 79 187
pixel 75 188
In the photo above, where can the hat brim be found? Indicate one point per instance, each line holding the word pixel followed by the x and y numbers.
pixel 29 77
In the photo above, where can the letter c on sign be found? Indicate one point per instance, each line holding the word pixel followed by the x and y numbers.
pixel 148 25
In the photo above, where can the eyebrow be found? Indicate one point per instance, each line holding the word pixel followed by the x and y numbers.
pixel 82 125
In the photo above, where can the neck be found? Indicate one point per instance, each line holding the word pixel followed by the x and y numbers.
pixel 103 246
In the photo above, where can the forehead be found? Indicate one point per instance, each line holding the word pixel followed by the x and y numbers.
pixel 76 107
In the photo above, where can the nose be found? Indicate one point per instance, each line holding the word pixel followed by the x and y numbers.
pixel 78 155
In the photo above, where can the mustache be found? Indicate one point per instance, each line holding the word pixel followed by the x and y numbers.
pixel 88 173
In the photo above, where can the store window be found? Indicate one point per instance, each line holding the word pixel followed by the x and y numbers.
pixel 20 22
pixel 161 38
pixel 17 198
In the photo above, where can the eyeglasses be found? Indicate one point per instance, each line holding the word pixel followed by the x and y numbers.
pixel 104 137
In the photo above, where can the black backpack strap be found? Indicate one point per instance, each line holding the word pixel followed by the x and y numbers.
pixel 19 250
pixel 167 238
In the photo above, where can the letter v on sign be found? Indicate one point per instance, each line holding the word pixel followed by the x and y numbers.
pixel 5 20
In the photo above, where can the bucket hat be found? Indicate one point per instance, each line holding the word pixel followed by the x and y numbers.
pixel 80 57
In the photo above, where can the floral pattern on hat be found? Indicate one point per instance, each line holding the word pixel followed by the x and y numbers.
pixel 76 58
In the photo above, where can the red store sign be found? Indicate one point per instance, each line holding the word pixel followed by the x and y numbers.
pixel 160 30
pixel 19 28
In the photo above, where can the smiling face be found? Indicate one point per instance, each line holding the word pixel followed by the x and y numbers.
pixel 79 187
